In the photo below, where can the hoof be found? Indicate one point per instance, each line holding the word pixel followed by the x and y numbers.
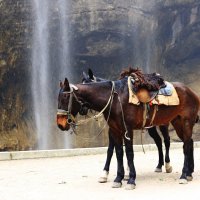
pixel 116 185
pixel 104 177
pixel 126 177
pixel 183 181
pixel 168 168
pixel 189 178
pixel 158 170
pixel 102 180
pixel 130 187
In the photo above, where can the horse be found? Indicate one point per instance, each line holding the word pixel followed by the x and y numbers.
pixel 123 118
pixel 88 78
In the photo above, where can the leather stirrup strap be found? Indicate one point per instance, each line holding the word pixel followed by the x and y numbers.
pixel 144 115
pixel 154 114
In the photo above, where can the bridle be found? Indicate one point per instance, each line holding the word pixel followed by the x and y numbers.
pixel 83 108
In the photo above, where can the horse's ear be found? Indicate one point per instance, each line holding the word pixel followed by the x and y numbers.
pixel 90 74
pixel 61 84
pixel 66 85
pixel 85 76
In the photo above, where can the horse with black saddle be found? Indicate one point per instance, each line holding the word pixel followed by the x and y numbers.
pixel 110 98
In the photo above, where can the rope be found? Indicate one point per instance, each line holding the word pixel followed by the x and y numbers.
pixel 144 121
pixel 110 101
pixel 142 131
pixel 143 124
pixel 126 131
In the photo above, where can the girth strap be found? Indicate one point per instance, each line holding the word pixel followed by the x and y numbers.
pixel 145 111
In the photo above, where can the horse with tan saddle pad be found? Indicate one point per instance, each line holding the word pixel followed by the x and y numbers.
pixel 164 96
pixel 151 89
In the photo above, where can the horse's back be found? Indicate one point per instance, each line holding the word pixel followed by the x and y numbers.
pixel 186 93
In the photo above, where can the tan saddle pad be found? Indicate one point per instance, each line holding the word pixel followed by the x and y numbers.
pixel 172 100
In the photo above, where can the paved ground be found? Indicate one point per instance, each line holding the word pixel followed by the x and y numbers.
pixel 76 178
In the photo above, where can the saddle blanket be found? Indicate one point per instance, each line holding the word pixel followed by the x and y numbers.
pixel 166 96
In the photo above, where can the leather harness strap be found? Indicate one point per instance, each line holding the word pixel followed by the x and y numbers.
pixel 154 114
pixel 144 115
pixel 155 109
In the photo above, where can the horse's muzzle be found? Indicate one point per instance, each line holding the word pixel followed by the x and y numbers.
pixel 62 122
pixel 65 120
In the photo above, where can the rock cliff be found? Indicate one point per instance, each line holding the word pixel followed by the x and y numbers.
pixel 106 35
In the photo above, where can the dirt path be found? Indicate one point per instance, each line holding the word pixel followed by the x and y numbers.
pixel 76 178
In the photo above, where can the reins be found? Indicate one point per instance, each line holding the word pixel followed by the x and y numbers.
pixel 110 101
pixel 124 123
pixel 71 118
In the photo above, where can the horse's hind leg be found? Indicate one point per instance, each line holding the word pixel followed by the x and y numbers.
pixel 183 128
pixel 188 167
pixel 157 139
pixel 165 133
pixel 104 175
pixel 191 161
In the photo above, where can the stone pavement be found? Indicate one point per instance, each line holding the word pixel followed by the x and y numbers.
pixel 77 178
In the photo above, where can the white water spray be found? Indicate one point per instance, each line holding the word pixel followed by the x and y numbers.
pixel 45 75
pixel 40 63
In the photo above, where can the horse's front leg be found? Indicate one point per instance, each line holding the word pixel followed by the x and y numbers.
pixel 130 156
pixel 157 139
pixel 120 167
pixel 165 133
pixel 104 175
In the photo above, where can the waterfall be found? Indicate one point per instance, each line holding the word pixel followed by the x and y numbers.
pixel 64 69
pixel 50 63
pixel 144 33
pixel 40 72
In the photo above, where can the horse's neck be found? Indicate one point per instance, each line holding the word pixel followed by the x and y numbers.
pixel 97 95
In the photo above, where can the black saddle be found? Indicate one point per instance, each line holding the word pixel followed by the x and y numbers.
pixel 150 82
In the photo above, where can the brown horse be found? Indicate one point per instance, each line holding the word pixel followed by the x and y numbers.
pixel 125 117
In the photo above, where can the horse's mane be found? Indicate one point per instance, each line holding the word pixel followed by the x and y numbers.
pixel 128 71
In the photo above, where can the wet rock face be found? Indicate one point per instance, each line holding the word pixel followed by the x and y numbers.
pixel 15 133
pixel 108 35
pixel 105 35
pixel 112 34
pixel 179 33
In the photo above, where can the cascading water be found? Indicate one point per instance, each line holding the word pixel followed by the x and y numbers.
pixel 40 72
pixel 50 64
pixel 144 45
pixel 64 50
pixel 146 52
